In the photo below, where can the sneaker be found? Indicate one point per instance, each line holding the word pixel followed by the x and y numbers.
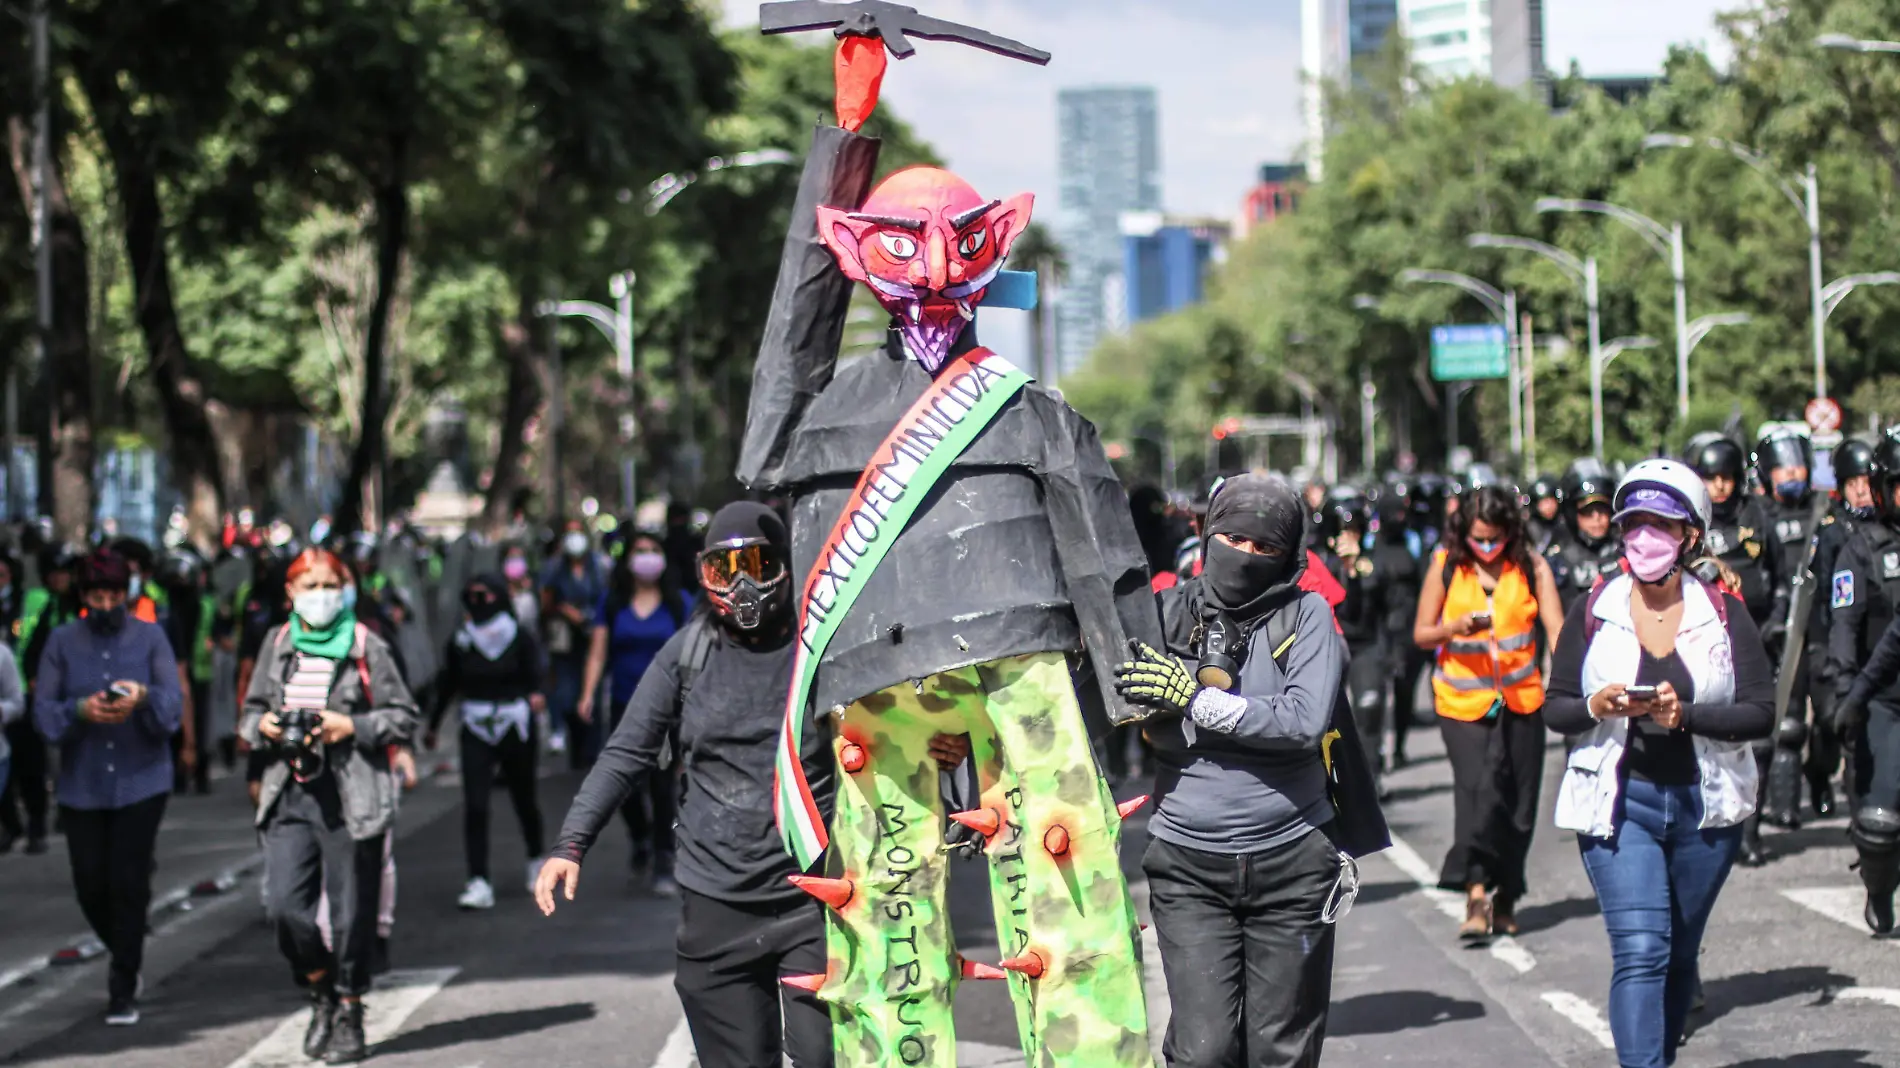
pixel 534 872
pixel 557 743
pixel 477 895
pixel 347 1045
pixel 35 846
pixel 122 1012
pixel 665 886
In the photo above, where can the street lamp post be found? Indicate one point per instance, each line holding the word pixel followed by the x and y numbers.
pixel 1583 272
pixel 1846 43
pixel 1503 305
pixel 616 324
pixel 1837 290
pixel 1598 362
pixel 1667 241
pixel 1807 202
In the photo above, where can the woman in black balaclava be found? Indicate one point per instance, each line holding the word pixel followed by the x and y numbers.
pixel 1238 881
pixel 494 667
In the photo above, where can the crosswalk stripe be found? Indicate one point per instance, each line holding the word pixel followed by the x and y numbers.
pixel 1842 904
pixel 1886 995
pixel 678 1051
pixel 1503 948
pixel 1583 1014
pixel 396 997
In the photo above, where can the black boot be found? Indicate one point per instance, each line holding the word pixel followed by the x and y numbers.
pixel 1879 913
pixel 1783 803
pixel 346 1038
pixel 1875 832
pixel 316 1037
pixel 1821 792
pixel 1752 855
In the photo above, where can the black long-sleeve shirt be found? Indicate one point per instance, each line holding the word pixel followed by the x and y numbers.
pixel 729 845
pixel 1652 753
pixel 469 676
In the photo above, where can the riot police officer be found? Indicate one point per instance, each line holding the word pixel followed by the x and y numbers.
pixel 1590 551
pixel 1863 592
pixel 1852 507
pixel 1545 523
pixel 1397 550
pixel 1737 526
pixel 1364 617
pixel 1784 460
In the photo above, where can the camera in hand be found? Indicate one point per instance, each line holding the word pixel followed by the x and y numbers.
pixel 298 746
pixel 1223 647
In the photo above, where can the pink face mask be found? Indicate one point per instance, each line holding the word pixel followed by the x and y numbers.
pixel 1488 551
pixel 1651 551
pixel 515 568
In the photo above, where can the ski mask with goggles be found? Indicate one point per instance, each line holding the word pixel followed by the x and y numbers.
pixel 744 567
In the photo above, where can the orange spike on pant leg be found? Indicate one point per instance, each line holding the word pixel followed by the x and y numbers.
pixel 985 821
pixel 834 892
pixel 1127 808
pixel 1030 964
pixel 809 983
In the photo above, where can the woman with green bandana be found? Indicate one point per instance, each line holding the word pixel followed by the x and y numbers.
pixel 327 702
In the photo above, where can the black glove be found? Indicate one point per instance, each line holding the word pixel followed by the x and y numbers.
pixel 1155 679
pixel 1849 712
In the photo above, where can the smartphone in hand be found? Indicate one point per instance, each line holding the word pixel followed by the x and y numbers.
pixel 1642 694
pixel 1481 620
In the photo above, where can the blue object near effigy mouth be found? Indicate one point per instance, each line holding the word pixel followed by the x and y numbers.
pixel 1012 289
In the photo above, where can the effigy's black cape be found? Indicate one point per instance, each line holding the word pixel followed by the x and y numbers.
pixel 1026 543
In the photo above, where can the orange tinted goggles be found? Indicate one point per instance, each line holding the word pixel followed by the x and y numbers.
pixel 721 566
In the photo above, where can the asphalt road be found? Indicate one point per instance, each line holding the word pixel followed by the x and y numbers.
pixel 1791 977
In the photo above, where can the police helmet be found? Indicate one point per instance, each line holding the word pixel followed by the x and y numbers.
pixel 1886 472
pixel 1713 455
pixel 1344 513
pixel 1853 459
pixel 1781 447
pixel 1544 488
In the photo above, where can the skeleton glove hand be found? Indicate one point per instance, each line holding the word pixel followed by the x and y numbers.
pixel 1155 679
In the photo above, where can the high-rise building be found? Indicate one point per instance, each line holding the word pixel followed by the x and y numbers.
pixel 1502 40
pixel 1278 193
pixel 1166 259
pixel 1109 163
pixel 1334 35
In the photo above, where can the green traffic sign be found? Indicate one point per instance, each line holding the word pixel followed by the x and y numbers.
pixel 1461 353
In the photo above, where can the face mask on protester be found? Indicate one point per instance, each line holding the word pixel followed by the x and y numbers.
pixel 1791 490
pixel 318 608
pixel 515 568
pixel 647 567
pixel 574 543
pixel 482 605
pixel 1266 511
pixel 111 621
pixel 1651 551
pixel 1487 551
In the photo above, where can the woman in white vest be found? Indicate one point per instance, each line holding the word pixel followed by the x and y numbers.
pixel 1660 681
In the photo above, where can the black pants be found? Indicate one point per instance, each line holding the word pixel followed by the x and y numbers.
pixel 1366 678
pixel 111 851
pixel 307 852
pixel 515 756
pixel 26 782
pixel 1409 663
pixel 731 956
pixel 1249 961
pixel 1497 771
pixel 651 808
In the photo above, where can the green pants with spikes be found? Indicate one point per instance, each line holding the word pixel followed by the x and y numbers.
pixel 1063 914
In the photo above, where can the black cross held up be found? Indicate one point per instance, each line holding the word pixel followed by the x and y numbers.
pixel 887 22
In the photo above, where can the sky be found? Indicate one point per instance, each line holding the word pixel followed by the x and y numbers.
pixel 1227 72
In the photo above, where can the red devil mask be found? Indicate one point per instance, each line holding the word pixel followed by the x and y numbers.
pixel 928 246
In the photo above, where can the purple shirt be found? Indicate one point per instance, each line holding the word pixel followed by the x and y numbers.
pixel 108 765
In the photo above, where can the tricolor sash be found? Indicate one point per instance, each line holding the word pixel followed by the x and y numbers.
pixel 965 396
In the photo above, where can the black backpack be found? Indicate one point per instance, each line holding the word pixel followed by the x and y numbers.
pixel 1359 826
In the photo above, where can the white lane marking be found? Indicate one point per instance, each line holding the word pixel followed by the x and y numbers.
pixel 678 1050
pixel 1504 948
pixel 1583 1014
pixel 1886 995
pixel 1842 904
pixel 397 995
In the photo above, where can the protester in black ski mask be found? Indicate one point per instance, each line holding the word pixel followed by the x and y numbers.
pixel 1254 554
pixel 1241 831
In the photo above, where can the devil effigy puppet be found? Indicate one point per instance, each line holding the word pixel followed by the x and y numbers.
pixel 966 559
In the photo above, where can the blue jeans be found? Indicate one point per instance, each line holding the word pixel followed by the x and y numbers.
pixel 1656 881
pixel 564 699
